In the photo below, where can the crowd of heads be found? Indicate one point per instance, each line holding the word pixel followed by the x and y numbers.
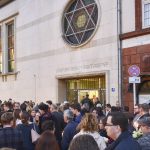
pixel 88 116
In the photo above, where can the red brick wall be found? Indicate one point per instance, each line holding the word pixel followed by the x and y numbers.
pixel 140 56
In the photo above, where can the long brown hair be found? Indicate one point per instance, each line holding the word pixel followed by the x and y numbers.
pixel 47 141
pixel 89 123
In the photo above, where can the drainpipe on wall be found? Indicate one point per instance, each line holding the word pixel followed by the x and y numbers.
pixel 119 46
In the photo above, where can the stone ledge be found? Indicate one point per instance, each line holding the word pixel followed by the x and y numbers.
pixel 5 75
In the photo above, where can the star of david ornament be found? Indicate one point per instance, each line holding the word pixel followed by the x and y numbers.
pixel 80 21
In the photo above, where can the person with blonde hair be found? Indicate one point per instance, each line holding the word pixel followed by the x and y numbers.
pixel 89 125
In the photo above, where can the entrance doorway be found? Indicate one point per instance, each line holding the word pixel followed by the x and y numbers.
pixel 91 93
pixel 76 89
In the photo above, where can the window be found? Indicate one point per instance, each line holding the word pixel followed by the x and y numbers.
pixel 7 47
pixel 146 13
pixel 80 21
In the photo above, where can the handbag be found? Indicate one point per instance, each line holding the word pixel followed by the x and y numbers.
pixel 34 134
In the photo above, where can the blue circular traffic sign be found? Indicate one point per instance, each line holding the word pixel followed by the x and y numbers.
pixel 134 71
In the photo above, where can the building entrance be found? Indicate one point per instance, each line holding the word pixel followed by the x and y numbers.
pixel 82 93
pixel 76 89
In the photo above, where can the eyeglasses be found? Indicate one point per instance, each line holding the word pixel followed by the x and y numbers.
pixel 139 126
pixel 107 124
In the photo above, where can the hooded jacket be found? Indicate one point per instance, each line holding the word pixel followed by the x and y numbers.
pixel 99 139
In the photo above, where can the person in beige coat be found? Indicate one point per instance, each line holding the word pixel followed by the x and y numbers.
pixel 89 125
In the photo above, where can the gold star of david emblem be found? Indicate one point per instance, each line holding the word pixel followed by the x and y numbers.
pixel 81 21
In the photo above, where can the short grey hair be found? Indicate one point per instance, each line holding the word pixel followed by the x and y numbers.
pixel 69 114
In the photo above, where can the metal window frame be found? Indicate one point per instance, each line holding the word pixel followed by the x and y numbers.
pixel 145 2
pixel 8 48
pixel 4 29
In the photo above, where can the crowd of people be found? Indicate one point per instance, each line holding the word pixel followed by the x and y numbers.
pixel 77 126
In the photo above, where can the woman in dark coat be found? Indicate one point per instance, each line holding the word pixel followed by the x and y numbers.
pixel 25 128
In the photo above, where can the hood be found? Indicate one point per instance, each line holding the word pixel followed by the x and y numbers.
pixel 95 135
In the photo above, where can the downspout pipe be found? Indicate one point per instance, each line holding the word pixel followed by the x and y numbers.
pixel 119 46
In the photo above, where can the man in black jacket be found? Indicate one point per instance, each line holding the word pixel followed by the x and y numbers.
pixel 87 101
pixel 70 129
pixel 117 129
pixel 45 114
pixel 59 123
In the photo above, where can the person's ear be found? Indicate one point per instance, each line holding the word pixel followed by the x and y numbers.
pixel 118 127
pixel 12 123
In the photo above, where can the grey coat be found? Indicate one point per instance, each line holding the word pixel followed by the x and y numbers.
pixel 144 141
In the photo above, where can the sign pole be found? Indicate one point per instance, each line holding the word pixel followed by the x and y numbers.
pixel 134 72
pixel 134 93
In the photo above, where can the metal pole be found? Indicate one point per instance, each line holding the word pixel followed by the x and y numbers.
pixel 35 87
pixel 119 45
pixel 134 93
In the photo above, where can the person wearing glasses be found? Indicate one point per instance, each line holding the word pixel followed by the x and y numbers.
pixel 136 112
pixel 143 111
pixel 144 125
pixel 117 128
pixel 102 130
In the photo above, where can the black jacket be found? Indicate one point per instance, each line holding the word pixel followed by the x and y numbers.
pixel 124 142
pixel 59 125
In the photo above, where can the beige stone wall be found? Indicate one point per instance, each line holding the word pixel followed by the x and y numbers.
pixel 128 15
pixel 42 56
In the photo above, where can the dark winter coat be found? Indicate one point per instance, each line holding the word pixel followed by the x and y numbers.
pixel 124 142
pixel 69 132
pixel 26 133
pixel 144 141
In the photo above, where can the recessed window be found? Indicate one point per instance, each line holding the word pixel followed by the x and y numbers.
pixel 79 21
pixel 146 13
pixel 7 47
pixel 10 46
